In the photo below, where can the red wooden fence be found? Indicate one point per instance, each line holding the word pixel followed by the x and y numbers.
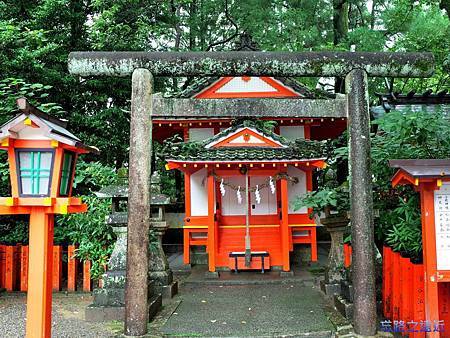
pixel 347 255
pixel 403 291
pixel 14 269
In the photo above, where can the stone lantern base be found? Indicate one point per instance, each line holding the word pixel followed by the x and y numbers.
pixel 159 270
pixel 109 301
pixel 334 273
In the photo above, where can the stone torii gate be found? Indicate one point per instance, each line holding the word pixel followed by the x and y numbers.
pixel 355 67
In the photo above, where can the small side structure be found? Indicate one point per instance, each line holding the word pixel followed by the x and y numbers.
pixel 109 301
pixel 431 178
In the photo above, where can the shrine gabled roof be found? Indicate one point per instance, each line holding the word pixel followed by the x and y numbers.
pixel 200 84
pixel 246 43
pixel 198 151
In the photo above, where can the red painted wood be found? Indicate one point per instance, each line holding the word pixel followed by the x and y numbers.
pixel 211 92
pixel 444 307
pixel 347 255
pixel 255 264
pixel 11 268
pixel 87 285
pixel 24 268
pixel 262 239
pixel 429 252
pixel 71 268
pixel 419 297
pixel 57 268
pixel 395 286
pixel 2 266
pixel 406 308
pixel 387 282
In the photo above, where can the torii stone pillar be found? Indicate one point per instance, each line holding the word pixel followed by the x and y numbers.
pixel 356 66
pixel 136 288
pixel 363 276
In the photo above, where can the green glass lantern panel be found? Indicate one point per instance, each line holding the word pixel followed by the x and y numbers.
pixel 66 174
pixel 35 172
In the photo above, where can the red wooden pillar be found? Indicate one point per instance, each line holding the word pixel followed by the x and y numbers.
pixel 429 249
pixel 186 234
pixel 71 269
pixel 2 266
pixel 419 297
pixel 211 225
pixel 57 267
pixel 313 244
pixel 87 276
pixel 11 268
pixel 284 225
pixel 24 268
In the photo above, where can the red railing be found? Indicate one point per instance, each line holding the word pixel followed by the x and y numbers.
pixel 403 290
pixel 14 269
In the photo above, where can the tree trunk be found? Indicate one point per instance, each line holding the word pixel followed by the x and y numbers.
pixel 340 30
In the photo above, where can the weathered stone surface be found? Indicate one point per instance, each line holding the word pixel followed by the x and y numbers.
pixel 336 226
pixel 173 108
pixel 252 63
pixel 118 259
pixel 330 289
pixel 136 309
pixel 363 264
pixel 108 313
pixel 344 307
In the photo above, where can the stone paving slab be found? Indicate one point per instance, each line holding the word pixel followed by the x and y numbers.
pixel 249 311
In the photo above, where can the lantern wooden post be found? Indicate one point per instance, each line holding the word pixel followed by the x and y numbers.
pixel 39 297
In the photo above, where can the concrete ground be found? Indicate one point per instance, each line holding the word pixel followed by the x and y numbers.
pixel 67 320
pixel 250 311
pixel 247 304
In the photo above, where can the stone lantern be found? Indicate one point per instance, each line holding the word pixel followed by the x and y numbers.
pixel 109 301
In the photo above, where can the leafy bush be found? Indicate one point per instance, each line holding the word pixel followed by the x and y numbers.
pixel 95 239
pixel 400 135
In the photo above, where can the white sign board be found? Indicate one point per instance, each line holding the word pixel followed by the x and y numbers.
pixel 442 225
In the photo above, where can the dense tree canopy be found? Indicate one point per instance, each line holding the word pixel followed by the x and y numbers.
pixel 36 37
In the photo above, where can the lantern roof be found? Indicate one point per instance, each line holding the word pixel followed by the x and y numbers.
pixel 32 123
pixel 246 141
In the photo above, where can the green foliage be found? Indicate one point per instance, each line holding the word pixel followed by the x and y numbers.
pixel 94 237
pixel 325 199
pixel 405 231
pixel 89 230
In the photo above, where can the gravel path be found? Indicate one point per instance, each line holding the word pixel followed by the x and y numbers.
pixel 68 317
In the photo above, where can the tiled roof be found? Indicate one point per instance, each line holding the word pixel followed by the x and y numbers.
pixel 428 102
pixel 299 149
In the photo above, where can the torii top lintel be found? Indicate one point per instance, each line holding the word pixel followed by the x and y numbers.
pixel 252 63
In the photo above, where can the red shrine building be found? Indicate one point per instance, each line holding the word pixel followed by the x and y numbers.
pixel 242 177
pixel 240 186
